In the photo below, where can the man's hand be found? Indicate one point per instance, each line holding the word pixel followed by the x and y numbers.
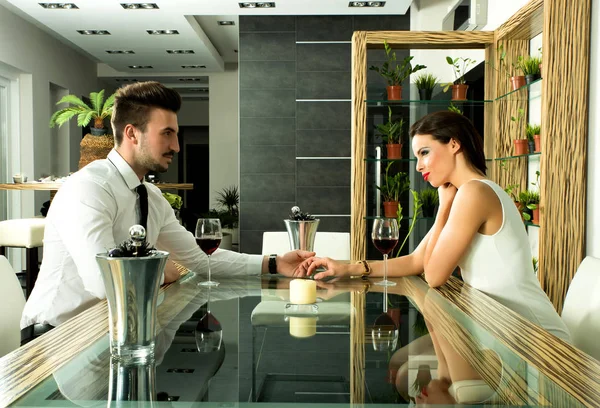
pixel 289 263
pixel 334 268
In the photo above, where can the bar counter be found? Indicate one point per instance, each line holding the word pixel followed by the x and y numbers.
pixel 342 353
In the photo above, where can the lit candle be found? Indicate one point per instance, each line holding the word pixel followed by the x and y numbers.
pixel 302 327
pixel 303 291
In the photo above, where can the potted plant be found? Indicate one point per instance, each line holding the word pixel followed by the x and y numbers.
pixel 530 201
pixel 429 200
pixel 417 206
pixel 533 137
pixel 516 81
pixel 229 199
pixel 395 73
pixel 98 144
pixel 391 133
pixel 531 68
pixel 426 83
pixel 391 190
pixel 459 87
pixel 454 108
pixel 520 144
pixel 175 202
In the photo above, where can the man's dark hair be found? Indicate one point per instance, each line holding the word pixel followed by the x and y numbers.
pixel 445 125
pixel 133 104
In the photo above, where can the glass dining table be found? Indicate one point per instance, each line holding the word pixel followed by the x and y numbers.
pixel 359 344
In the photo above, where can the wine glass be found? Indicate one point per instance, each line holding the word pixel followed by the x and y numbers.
pixel 385 238
pixel 208 238
pixel 209 333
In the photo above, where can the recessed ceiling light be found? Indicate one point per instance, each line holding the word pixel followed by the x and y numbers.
pixel 93 32
pixel 262 4
pixel 190 79
pixel 139 6
pixel 193 66
pixel 180 52
pixel 226 22
pixel 141 66
pixel 366 4
pixel 120 51
pixel 162 32
pixel 59 6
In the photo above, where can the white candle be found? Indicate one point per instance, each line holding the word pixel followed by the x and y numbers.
pixel 303 291
pixel 302 327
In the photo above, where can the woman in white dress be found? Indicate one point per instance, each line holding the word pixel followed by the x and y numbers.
pixel 477 228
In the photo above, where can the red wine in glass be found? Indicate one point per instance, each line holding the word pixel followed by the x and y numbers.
pixel 385 236
pixel 208 245
pixel 208 237
pixel 385 246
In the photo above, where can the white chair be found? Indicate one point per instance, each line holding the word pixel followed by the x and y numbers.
pixel 25 233
pixel 581 310
pixel 334 245
pixel 13 303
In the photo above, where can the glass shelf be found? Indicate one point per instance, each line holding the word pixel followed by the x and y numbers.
pixel 376 103
pixel 373 217
pixel 372 159
pixel 534 88
pixel 531 224
pixel 518 157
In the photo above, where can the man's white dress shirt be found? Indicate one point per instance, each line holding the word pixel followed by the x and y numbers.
pixel 92 213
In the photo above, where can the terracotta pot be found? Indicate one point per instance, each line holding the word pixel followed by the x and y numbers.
pixel 459 92
pixel 538 143
pixel 394 93
pixel 517 82
pixel 94 148
pixel 394 151
pixel 521 147
pixel 536 216
pixel 390 209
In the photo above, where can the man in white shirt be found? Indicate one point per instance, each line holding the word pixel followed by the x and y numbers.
pixel 94 208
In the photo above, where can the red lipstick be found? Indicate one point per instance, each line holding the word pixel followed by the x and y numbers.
pixel 425 176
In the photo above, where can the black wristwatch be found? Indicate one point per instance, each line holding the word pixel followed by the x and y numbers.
pixel 273 264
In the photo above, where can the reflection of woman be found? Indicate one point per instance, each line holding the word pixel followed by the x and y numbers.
pixel 477 228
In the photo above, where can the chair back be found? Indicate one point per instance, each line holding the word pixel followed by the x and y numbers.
pixel 13 302
pixel 581 310
pixel 334 245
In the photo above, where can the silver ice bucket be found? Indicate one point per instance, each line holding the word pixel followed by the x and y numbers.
pixel 131 384
pixel 302 234
pixel 131 285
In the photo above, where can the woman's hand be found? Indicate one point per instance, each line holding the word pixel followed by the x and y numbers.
pixel 334 268
pixel 289 264
pixel 446 193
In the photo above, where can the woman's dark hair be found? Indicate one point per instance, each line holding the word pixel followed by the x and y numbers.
pixel 133 104
pixel 446 125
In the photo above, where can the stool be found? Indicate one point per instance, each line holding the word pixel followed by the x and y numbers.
pixel 25 233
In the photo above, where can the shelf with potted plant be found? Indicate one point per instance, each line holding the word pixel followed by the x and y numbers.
pixel 381 103
pixel 527 92
pixel 395 73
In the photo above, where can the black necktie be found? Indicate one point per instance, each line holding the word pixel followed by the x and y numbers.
pixel 143 193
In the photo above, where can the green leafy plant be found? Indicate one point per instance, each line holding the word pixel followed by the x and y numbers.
pixel 174 200
pixel 416 212
pixel 532 130
pixel 503 65
pixel 454 108
pixel 529 201
pixel 530 65
pixel 429 199
pixel 426 81
pixel 229 198
pixel 394 185
pixel 534 261
pixel 391 71
pixel 511 188
pixel 99 110
pixel 459 67
pixel 392 131
pixel 517 119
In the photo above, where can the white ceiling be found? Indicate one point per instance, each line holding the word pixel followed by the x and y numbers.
pixel 195 20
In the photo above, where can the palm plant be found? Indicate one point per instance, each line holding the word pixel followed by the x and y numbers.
pixel 229 198
pixel 99 110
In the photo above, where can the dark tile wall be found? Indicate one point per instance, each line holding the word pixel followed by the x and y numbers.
pixel 295 118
